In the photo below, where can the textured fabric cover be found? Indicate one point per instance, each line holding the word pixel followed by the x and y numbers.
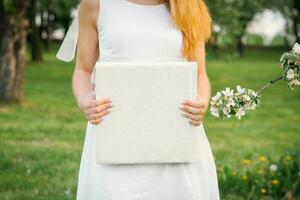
pixel 145 124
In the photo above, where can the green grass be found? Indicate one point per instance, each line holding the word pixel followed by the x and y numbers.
pixel 41 139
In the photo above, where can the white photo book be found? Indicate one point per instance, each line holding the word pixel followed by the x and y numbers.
pixel 145 124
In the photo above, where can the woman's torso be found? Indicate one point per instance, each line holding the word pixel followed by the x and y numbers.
pixel 134 32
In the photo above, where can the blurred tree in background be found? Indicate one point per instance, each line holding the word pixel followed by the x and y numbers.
pixel 52 15
pixel 291 10
pixel 13 31
pixel 232 18
pixel 62 13
pixel 36 19
pixel 34 33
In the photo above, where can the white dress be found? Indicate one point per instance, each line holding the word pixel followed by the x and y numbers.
pixel 133 32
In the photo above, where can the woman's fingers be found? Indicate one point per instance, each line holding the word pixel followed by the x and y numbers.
pixel 196 123
pixel 96 102
pixel 97 118
pixel 99 115
pixel 193 110
pixel 192 117
pixel 196 104
pixel 95 109
pixel 98 109
pixel 96 121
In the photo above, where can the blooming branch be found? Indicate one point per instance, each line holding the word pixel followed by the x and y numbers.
pixel 229 103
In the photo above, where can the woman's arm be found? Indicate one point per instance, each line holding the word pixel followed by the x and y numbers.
pixel 203 88
pixel 195 110
pixel 87 54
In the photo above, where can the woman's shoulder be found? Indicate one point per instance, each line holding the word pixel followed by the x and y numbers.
pixel 92 4
pixel 89 9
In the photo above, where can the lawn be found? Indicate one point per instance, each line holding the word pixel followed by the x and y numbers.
pixel 41 139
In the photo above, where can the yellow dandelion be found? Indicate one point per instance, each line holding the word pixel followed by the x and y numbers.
pixel 275 182
pixel 247 162
pixel 245 177
pixel 262 158
pixel 263 190
pixel 288 158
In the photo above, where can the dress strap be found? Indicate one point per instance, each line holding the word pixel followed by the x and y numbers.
pixel 67 49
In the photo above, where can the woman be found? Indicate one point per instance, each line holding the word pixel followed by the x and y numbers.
pixel 147 30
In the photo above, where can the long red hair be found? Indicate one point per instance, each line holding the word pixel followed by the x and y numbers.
pixel 193 18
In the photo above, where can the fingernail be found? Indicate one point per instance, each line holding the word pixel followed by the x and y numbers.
pixel 181 106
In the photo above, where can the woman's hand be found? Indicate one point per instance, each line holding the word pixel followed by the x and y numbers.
pixel 194 110
pixel 94 109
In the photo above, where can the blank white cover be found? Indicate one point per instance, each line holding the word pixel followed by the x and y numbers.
pixel 145 124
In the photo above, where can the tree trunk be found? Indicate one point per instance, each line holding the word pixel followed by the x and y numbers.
pixel 12 53
pixel 296 30
pixel 296 19
pixel 34 34
pixel 46 29
pixel 47 25
pixel 240 46
pixel 215 45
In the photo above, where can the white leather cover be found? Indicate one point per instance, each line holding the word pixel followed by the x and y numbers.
pixel 145 124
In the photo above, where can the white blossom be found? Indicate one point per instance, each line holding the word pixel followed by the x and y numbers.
pixel 253 93
pixel 230 102
pixel 296 48
pixel 251 106
pixel 273 168
pixel 226 110
pixel 214 111
pixel 217 96
pixel 228 92
pixel 220 102
pixel 240 90
pixel 246 97
pixel 290 74
pixel 240 112
pixel 294 82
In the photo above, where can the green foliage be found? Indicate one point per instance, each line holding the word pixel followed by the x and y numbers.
pixel 8 6
pixel 279 40
pixel 290 63
pixel 12 6
pixel 286 7
pixel 42 138
pixel 233 16
pixel 254 39
pixel 59 11
pixel 62 12
pixel 261 177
